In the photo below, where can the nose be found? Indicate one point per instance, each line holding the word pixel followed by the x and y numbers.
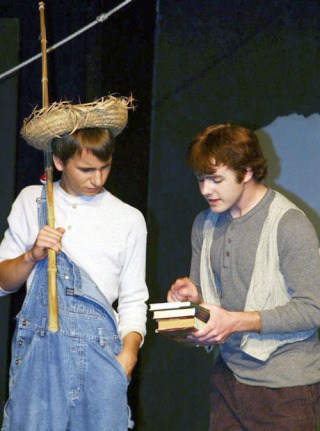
pixel 97 178
pixel 206 187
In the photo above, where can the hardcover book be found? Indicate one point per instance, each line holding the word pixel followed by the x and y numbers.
pixel 179 336
pixel 186 311
pixel 192 323
pixel 170 305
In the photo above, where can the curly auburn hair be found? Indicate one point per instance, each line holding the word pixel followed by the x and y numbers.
pixel 232 145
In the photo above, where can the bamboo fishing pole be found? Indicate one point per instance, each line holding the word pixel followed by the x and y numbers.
pixel 53 325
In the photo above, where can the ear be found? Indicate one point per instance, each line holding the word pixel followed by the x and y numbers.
pixel 248 175
pixel 58 163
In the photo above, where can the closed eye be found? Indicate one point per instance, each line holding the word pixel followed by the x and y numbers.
pixel 214 178
pixel 89 170
pixel 86 170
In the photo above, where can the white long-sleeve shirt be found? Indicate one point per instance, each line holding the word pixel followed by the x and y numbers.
pixel 103 235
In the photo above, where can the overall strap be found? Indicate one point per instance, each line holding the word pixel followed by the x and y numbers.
pixel 42 208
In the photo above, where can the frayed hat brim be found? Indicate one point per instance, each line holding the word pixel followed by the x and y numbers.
pixel 63 118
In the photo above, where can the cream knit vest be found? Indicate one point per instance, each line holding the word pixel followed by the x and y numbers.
pixel 267 288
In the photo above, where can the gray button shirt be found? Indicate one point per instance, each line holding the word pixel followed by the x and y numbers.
pixel 233 256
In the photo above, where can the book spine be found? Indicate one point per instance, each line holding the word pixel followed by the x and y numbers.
pixel 202 314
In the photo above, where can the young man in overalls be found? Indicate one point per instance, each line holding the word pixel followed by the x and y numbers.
pixel 76 379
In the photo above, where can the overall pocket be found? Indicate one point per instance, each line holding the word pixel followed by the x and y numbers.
pixel 22 344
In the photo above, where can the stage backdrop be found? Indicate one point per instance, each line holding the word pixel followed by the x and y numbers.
pixel 243 61
pixel 9 32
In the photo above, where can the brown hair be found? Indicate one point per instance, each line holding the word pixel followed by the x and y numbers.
pixel 98 141
pixel 232 145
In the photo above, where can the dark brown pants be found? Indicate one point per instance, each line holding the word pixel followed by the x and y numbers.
pixel 238 407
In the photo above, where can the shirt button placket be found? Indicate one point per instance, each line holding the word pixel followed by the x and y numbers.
pixel 227 247
pixel 73 215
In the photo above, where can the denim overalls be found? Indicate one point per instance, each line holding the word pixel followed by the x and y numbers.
pixel 69 380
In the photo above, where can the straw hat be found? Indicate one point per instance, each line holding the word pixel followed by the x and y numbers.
pixel 63 118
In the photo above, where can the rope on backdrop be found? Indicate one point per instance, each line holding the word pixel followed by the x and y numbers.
pixel 101 18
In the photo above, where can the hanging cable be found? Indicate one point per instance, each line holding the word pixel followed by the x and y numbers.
pixel 101 18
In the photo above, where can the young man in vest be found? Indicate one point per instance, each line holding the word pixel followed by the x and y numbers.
pixel 75 379
pixel 256 266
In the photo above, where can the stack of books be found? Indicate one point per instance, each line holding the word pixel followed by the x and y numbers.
pixel 177 320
